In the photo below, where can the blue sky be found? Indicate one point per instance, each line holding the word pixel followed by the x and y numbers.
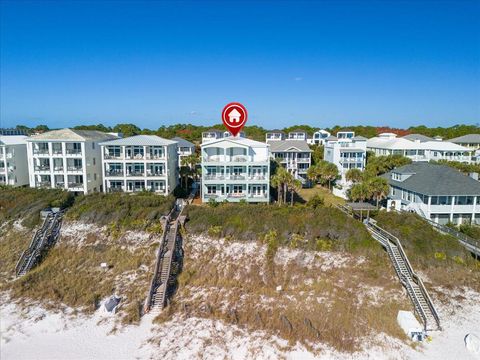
pixel 319 63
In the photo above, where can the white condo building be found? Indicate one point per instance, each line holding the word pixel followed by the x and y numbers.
pixel 67 159
pixel 214 134
pixel 418 150
pixel 346 151
pixel 13 160
pixel 140 163
pixel 235 169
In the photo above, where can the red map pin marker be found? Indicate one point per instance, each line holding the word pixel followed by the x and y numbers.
pixel 234 117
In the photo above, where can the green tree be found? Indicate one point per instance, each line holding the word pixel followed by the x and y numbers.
pixel 317 154
pixel 127 129
pixel 360 192
pixel 294 186
pixel 378 188
pixel 354 175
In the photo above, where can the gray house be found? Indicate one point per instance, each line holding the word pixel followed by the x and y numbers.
pixel 436 192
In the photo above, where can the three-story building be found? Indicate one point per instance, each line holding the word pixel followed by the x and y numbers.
pixel 235 169
pixel 346 151
pixel 140 163
pixel 67 159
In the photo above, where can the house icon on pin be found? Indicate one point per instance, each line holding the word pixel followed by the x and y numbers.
pixel 234 116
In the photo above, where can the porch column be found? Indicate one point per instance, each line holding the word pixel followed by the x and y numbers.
pixel 452 208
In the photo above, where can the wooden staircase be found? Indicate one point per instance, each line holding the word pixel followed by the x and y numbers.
pixel 416 290
pixel 43 239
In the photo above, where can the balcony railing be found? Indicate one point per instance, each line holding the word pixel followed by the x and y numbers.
pixel 112 156
pixel 210 196
pixel 237 177
pixel 57 152
pixel 155 156
pixel 42 168
pixel 237 195
pixel 257 177
pixel 114 173
pixel 58 168
pixel 135 173
pixel 155 173
pixel 44 184
pixel 136 156
pixel 60 185
pixel 40 151
pixel 74 168
pixel 115 189
pixel 75 185
pixel 214 177
pixel 74 151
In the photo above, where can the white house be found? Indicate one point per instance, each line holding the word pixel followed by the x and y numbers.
pixel 294 155
pixel 13 160
pixel 471 142
pixel 297 134
pixel 184 148
pixel 418 150
pixel 436 192
pixel 140 163
pixel 319 137
pixel 274 135
pixel 67 159
pixel 346 151
pixel 235 169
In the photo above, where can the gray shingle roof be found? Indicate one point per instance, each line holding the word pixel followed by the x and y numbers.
pixel 419 137
pixel 140 140
pixel 289 145
pixel 432 179
pixel 467 139
pixel 182 142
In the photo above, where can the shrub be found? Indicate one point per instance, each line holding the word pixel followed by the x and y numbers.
pixel 316 201
pixel 440 256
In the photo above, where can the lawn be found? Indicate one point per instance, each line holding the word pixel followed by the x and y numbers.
pixel 329 198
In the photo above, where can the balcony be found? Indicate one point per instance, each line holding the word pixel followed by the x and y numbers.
pixel 135 173
pixel 74 151
pixel 237 177
pixel 75 185
pixel 115 189
pixel 74 168
pixel 155 156
pixel 214 177
pixel 237 195
pixel 57 152
pixel 155 173
pixel 210 196
pixel 42 168
pixel 112 157
pixel 257 177
pixel 258 196
pixel 58 168
pixel 114 173
pixel 41 152
pixel 44 184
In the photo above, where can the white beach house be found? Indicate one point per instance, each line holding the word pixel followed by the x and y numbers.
pixel 140 163
pixel 235 169
pixel 67 159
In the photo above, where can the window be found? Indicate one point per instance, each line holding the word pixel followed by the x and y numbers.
pixel 95 176
pixel 93 161
pixel 93 145
pixel 211 189
pixel 434 200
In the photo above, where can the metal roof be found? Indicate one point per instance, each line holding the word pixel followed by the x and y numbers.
pixel 289 145
pixel 467 139
pixel 140 140
pixel 182 142
pixel 72 135
pixel 433 179
pixel 419 137
pixel 13 139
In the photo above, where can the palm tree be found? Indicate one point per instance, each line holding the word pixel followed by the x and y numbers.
pixel 360 192
pixel 185 171
pixel 294 185
pixel 378 188
pixel 279 180
pixel 329 173
pixel 354 175
pixel 313 173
